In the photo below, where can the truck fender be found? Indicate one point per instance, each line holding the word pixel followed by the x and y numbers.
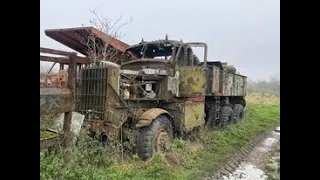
pixel 148 116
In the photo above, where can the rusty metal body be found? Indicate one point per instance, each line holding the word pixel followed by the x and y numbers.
pixel 138 91
pixel 159 78
pixel 73 37
pixel 57 97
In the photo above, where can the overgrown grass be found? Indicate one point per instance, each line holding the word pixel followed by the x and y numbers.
pixel 218 145
pixel 47 121
pixel 189 160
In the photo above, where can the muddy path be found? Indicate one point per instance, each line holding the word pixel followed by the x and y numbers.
pixel 251 166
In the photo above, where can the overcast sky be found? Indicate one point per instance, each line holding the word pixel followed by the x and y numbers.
pixel 245 33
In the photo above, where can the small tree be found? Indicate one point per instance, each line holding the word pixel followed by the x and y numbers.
pixel 99 50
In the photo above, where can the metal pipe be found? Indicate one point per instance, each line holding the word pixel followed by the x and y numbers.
pixel 201 44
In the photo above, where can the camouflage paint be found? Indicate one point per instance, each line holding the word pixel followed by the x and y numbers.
pixel 239 85
pixel 227 84
pixel 55 100
pixel 193 115
pixel 233 84
pixel 186 115
pixel 216 80
pixel 192 81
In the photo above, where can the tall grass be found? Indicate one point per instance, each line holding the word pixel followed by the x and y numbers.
pixel 188 160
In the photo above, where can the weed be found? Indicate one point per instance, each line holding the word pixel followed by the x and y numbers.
pixel 192 160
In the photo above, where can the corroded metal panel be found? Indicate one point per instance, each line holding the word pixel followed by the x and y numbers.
pixel 113 78
pixel 216 80
pixel 227 84
pixel 233 84
pixel 193 115
pixel 192 81
pixel 55 100
pixel 48 142
pixel 239 85
pixel 115 110
pixel 173 84
pixel 72 37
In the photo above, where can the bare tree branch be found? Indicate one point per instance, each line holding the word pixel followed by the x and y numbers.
pixel 100 50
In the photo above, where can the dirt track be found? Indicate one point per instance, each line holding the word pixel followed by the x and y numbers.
pixel 250 168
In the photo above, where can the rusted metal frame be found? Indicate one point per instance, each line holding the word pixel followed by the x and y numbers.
pixel 81 60
pixel 66 41
pixel 62 60
pixel 121 100
pixel 72 75
pixel 144 60
pixel 185 54
pixel 115 43
pixel 54 51
pixel 173 54
pixel 200 44
pixel 144 49
pixel 196 99
pixel 178 53
pixel 49 142
pixel 53 67
pixel 65 60
pixel 70 40
pixel 57 34
pixel 58 104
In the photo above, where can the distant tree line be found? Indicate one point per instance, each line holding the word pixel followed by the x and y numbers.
pixel 271 86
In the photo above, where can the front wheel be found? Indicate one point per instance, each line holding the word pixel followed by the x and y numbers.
pixel 154 138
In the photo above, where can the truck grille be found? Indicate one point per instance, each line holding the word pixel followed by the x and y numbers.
pixel 91 91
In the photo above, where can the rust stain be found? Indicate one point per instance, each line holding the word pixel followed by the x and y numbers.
pixel 71 37
pixel 147 116
pixel 49 142
pixel 197 99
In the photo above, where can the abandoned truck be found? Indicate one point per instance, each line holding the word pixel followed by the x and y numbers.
pixel 164 92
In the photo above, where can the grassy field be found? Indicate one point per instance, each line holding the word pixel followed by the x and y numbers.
pixel 188 160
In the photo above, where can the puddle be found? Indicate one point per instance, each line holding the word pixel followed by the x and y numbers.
pixel 247 172
pixel 269 141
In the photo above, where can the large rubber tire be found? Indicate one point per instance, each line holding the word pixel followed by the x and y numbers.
pixel 226 113
pixel 210 115
pixel 147 136
pixel 238 113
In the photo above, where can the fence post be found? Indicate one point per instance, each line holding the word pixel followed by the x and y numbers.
pixel 72 74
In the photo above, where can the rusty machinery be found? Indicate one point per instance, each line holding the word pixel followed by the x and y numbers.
pixel 161 93
pixel 58 90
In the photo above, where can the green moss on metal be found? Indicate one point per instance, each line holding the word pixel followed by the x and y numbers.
pixel 193 115
pixel 192 81
pixel 46 134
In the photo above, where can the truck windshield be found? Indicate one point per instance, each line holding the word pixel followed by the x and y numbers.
pixel 152 50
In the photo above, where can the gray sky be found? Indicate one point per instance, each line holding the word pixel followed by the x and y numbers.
pixel 245 33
